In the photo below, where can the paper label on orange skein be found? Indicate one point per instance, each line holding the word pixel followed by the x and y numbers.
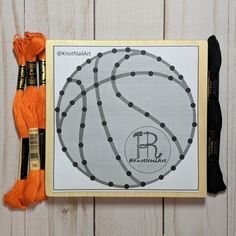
pixel 24 153
pixel 42 72
pixel 34 149
pixel 21 77
pixel 31 74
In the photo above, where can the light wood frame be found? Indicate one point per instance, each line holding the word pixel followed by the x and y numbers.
pixel 202 117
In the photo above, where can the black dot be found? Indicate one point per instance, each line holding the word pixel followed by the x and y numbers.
pixel 128 173
pixel 83 93
pixel 81 145
pixel 92 177
pixel 64 114
pixel 96 85
pixel 82 125
pixel 84 109
pixel 170 77
pixel 181 157
pixel 57 109
pixel 61 93
pixel 99 103
pixel 113 77
pixel 69 79
pixel 187 90
pixel 150 73
pixel 72 102
pixel 75 164
pixel 174 138
pixel 114 50
pixel 88 61
pixel 194 124
pixel 143 52
pixel 78 82
pixel 146 114
pixel 130 104
pixel 162 125
pixel 126 56
pixel 110 184
pixel 190 140
pixel 64 149
pixel 118 157
pixel 127 49
pixel 84 162
pixel 193 105
pixel 109 139
pixel 132 73
pixel 126 186
pixel 104 123
pixel 118 94
pixel 117 65
pixel 95 70
pixel 58 130
pixel 143 184
pixel 99 55
pixel 161 177
pixel 181 77
pixel 79 68
pixel 173 168
pixel 172 67
pixel 158 58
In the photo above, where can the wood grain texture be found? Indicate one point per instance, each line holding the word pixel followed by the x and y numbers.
pixel 68 216
pixel 134 217
pixel 120 19
pixel 200 19
pixel 11 21
pixel 135 19
pixel 60 20
pixel 232 121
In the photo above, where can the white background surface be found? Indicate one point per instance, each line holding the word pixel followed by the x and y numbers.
pixel 185 60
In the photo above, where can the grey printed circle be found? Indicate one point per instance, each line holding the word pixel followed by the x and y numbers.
pixel 147 149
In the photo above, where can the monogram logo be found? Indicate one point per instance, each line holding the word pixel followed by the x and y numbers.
pixel 147 149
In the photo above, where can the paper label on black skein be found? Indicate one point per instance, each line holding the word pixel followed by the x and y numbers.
pixel 21 78
pixel 24 157
pixel 213 145
pixel 42 72
pixel 34 149
pixel 213 83
pixel 42 148
pixel 31 74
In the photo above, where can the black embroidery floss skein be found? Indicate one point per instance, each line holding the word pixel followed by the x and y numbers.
pixel 215 182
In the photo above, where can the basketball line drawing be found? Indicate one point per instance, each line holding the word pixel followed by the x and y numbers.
pixel 98 82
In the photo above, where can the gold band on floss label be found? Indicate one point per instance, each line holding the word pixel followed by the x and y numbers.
pixel 34 149
pixel 31 72
pixel 21 78
pixel 42 72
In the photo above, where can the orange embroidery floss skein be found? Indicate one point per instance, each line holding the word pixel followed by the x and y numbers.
pixel 34 45
pixel 13 197
pixel 41 112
